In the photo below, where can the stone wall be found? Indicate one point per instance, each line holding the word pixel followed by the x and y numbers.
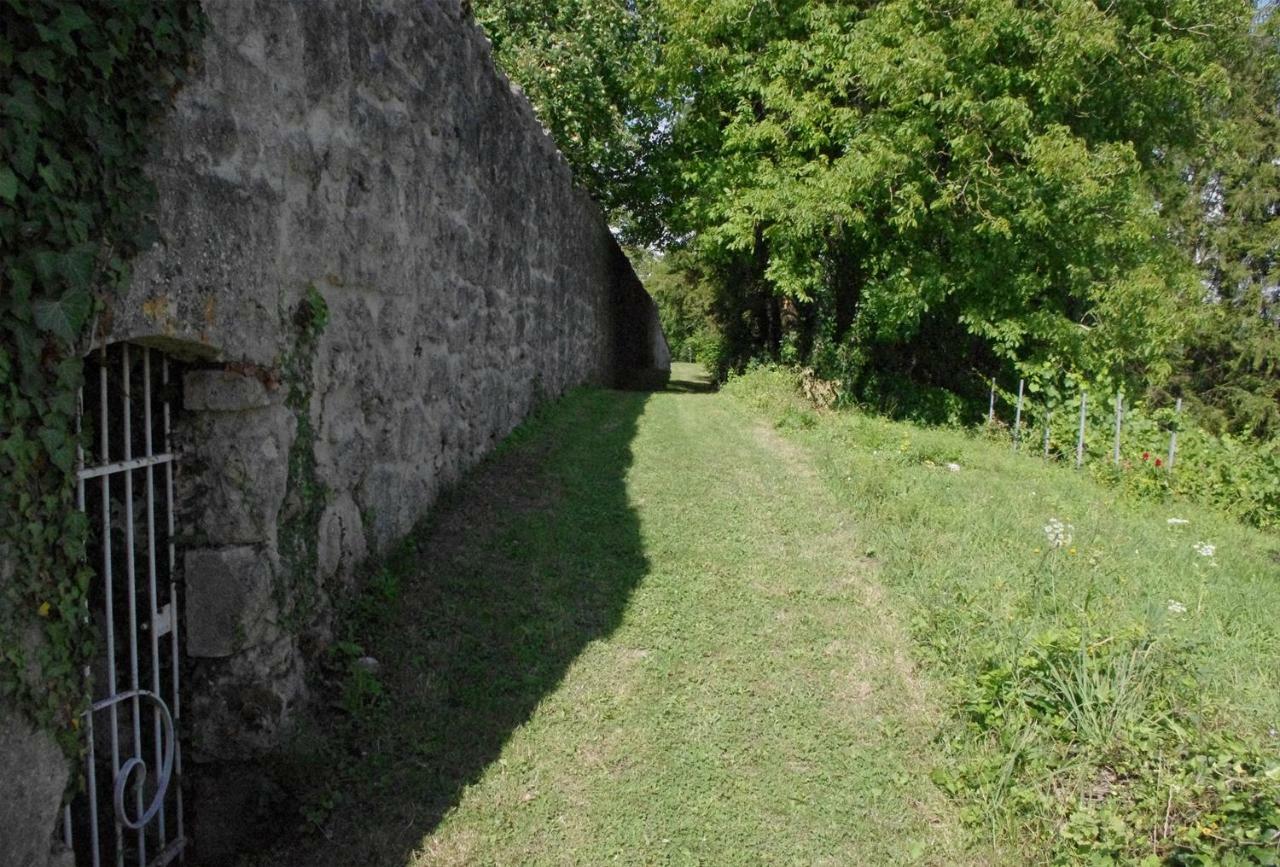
pixel 376 263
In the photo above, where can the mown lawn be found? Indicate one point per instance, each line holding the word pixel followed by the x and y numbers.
pixel 645 632
pixel 716 628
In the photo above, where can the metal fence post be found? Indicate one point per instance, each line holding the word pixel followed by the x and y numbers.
pixel 1048 415
pixel 1173 434
pixel 991 407
pixel 1017 419
pixel 1084 395
pixel 1119 411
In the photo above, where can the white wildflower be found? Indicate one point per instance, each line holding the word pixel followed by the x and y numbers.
pixel 955 468
pixel 1204 549
pixel 1176 607
pixel 1058 533
pixel 1177 522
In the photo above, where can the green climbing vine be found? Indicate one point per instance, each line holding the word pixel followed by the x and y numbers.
pixel 298 589
pixel 80 86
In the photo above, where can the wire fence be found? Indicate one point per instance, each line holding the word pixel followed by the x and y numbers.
pixel 1051 435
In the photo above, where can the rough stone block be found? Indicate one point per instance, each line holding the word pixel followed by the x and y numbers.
pixel 35 773
pixel 243 474
pixel 226 391
pixel 241 705
pixel 228 592
pixel 342 544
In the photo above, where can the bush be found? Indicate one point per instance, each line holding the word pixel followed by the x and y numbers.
pixel 1239 476
pixel 900 398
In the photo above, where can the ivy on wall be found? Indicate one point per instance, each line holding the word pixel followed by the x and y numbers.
pixel 81 85
pixel 297 587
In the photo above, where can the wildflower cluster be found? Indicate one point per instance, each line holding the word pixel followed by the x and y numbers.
pixel 1057 533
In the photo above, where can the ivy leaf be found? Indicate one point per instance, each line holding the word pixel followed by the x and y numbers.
pixel 20 285
pixel 8 184
pixel 77 265
pixel 65 316
pixel 52 177
pixel 59 447
pixel 72 18
pixel 41 62
pixel 22 102
pixel 46 265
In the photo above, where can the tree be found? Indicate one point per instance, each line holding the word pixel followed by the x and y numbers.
pixel 963 182
pixel 1223 206
pixel 583 65
pixel 895 191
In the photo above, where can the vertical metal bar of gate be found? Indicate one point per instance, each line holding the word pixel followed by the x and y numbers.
pixel 104 401
pixel 131 575
pixel 152 614
pixel 158 621
pixel 167 445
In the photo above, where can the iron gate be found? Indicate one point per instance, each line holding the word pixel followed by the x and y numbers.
pixel 130 810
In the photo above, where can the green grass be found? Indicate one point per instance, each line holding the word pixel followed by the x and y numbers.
pixel 643 633
pixel 1082 699
pixel 693 627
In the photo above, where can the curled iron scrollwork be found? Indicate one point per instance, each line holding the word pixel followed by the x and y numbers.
pixel 136 763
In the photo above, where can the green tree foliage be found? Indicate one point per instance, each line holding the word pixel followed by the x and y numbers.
pixel 937 187
pixel 80 85
pixel 1223 206
pixel 584 65
pixel 901 192
pixel 687 304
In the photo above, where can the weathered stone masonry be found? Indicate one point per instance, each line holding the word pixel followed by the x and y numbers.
pixel 380 264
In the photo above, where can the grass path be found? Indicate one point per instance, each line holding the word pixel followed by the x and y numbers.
pixel 647 633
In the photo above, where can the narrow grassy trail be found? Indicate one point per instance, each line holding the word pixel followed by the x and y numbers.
pixel 756 703
pixel 645 633
pixel 679 628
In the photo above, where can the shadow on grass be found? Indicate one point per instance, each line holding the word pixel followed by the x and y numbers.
pixel 533 556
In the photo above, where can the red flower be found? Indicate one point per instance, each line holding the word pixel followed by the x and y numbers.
pixel 1146 456
pixel 1159 463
